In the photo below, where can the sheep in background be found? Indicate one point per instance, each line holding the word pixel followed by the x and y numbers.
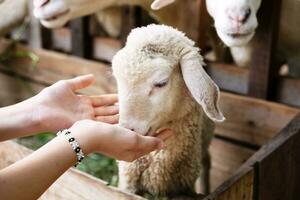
pixel 12 14
pixel 161 85
pixel 238 18
pixel 56 13
pixel 236 22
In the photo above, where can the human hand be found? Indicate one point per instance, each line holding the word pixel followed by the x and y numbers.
pixel 58 107
pixel 115 141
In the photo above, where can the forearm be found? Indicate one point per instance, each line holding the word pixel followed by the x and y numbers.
pixel 31 177
pixel 17 121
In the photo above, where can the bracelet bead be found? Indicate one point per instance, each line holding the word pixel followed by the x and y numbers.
pixel 74 144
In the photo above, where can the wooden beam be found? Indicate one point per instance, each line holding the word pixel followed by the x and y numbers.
pixel 262 68
pixel 131 18
pixel 274 169
pixel 81 39
pixel 46 38
pixel 203 22
pixel 278 169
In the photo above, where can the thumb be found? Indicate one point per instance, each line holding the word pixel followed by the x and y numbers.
pixel 146 144
pixel 158 4
pixel 81 82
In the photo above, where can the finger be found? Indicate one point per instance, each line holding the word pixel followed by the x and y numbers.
pixel 81 82
pixel 102 100
pixel 106 110
pixel 147 144
pixel 114 119
pixel 158 4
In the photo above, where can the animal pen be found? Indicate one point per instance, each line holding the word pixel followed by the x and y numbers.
pixel 255 152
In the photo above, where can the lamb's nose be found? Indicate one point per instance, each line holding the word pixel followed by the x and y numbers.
pixel 239 17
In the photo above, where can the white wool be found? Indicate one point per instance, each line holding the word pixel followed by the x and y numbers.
pixel 153 54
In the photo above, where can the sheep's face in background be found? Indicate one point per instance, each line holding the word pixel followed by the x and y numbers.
pixel 235 20
pixel 150 93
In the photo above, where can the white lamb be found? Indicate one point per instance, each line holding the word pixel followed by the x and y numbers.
pixel 235 22
pixel 162 84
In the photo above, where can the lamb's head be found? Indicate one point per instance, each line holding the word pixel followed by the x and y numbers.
pixel 159 72
pixel 235 20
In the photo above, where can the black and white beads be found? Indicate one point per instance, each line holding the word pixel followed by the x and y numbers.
pixel 74 144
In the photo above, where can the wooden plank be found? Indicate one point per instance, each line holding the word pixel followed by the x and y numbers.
pixel 203 22
pixel 104 48
pixel 275 166
pixel 229 77
pixel 278 168
pixel 46 38
pixel 81 39
pixel 130 20
pixel 14 90
pixel 55 66
pixel 72 185
pixel 252 120
pixel 288 91
pixel 262 70
pixel 226 159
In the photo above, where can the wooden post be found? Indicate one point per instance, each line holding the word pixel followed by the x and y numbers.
pixel 202 27
pixel 131 18
pixel 262 69
pixel 278 174
pixel 46 38
pixel 81 39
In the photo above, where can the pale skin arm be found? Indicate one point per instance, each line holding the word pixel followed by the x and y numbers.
pixel 48 163
pixel 55 108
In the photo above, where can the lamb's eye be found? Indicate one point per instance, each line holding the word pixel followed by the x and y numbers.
pixel 161 84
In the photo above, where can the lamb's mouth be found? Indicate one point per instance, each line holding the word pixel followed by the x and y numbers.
pixel 239 35
pixel 156 132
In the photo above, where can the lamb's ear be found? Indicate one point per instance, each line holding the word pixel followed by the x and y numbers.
pixel 158 4
pixel 201 86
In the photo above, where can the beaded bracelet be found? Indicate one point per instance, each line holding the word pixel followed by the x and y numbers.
pixel 74 144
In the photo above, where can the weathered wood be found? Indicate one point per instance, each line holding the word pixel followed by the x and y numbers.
pixel 104 48
pixel 81 39
pixel 46 37
pixel 262 70
pixel 226 159
pixel 71 185
pixel 252 120
pixel 235 79
pixel 278 165
pixel 128 22
pixel 55 66
pixel 275 166
pixel 203 22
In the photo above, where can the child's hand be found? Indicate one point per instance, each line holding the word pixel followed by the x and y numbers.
pixel 58 107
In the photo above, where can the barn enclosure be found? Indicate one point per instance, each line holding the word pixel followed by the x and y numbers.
pixel 255 152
